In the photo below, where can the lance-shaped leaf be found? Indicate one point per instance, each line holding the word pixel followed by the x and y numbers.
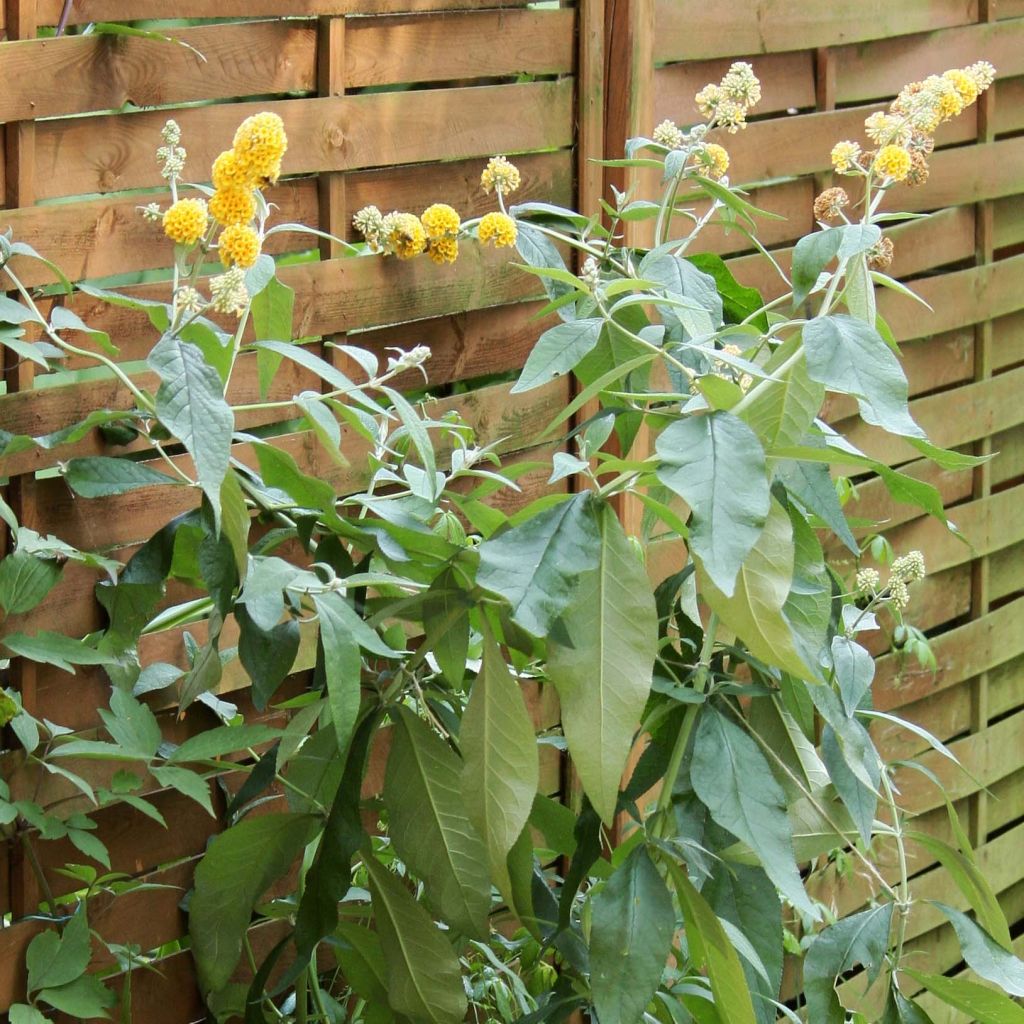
pixel 239 865
pixel 850 356
pixel 631 936
pixel 716 464
pixel 190 404
pixel 754 611
pixel 342 662
pixel 733 779
pixel 854 669
pixel 501 770
pixel 782 410
pixel 557 351
pixel 423 975
pixel 25 580
pixel 711 948
pixel 430 827
pixel 604 678
pixel 980 1003
pixel 100 476
pixel 984 955
pixel 537 565
pixel 860 939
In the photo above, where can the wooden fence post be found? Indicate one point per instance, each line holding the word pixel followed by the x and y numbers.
pixel 19 152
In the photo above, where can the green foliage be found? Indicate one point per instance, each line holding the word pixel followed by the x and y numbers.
pixel 432 630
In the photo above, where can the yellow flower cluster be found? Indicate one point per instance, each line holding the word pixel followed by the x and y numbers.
pixel 905 134
pixel 235 205
pixel 185 221
pixel 404 235
pixel 441 223
pixel 500 175
pixel 713 160
pixel 726 105
pixel 498 228
pixel 259 145
pixel 239 245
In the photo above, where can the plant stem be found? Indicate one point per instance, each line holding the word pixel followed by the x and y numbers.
pixel 37 871
pixel 903 901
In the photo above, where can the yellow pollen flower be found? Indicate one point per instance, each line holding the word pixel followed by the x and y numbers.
pixel 259 145
pixel 498 228
pixel 715 160
pixel 239 246
pixel 230 172
pixel 893 162
pixel 844 155
pixel 500 174
pixel 949 104
pixel 406 236
pixel 233 206
pixel 185 221
pixel 440 220
pixel 443 250
pixel 964 84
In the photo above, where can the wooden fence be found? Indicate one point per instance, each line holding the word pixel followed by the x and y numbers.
pixel 401 108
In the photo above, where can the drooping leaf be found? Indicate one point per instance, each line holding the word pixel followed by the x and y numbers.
pixel 190 403
pixel 267 655
pixel 53 960
pixel 272 310
pixel 538 564
pixel 225 739
pixel 681 279
pixel 430 827
pixel 539 251
pixel 56 649
pixel 446 615
pixel 981 1004
pixel 501 770
pixel 860 800
pixel 85 998
pixel 631 935
pixel 25 580
pixel 734 781
pixel 423 975
pixel 716 464
pixel 859 939
pixel 238 867
pixel 343 663
pixel 984 955
pixel 812 485
pixel 604 678
pixel 850 356
pixel 754 611
pixel 854 669
pixel 557 351
pixel 711 948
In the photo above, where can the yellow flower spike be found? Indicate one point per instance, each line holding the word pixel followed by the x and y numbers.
pixel 500 174
pixel 230 172
pixel 440 220
pixel 239 246
pixel 443 250
pixel 498 228
pixel 844 156
pixel 185 221
pixel 233 206
pixel 405 235
pixel 893 162
pixel 260 143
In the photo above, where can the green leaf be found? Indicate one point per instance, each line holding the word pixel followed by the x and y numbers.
pixel 630 939
pixel 132 725
pixel 539 251
pixel 754 612
pixel 681 279
pixel 501 770
pixel 811 255
pixel 861 938
pixel 423 975
pixel 854 670
pixel 203 676
pixel 272 309
pixel 446 618
pixel 361 960
pixel 734 781
pixel 56 649
pixel 53 960
pixel 968 878
pixel 849 356
pixel 190 403
pixel 710 948
pixel 603 679
pixel 527 563
pixel 85 998
pixel 746 897
pixel 225 739
pixel 812 485
pixel 20 1013
pixel 557 351
pixel 780 411
pixel 738 301
pixel 981 1004
pixel 860 800
pixel 63 319
pixel 984 955
pixel 101 476
pixel 186 782
pixel 25 580
pixel 238 867
pixel 279 469
pixel 430 827
pixel 343 663
pixel 716 464
pixel 267 655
